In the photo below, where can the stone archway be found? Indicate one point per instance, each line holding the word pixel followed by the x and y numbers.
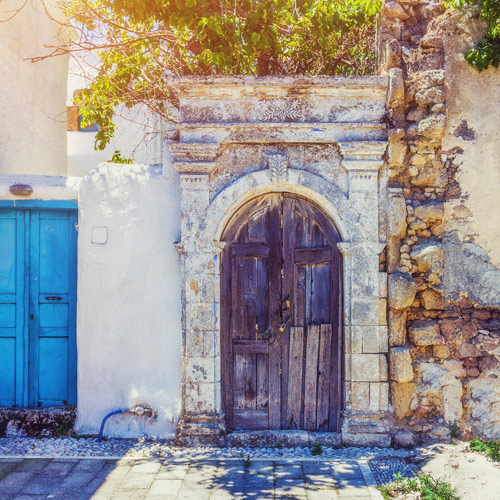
pixel 336 166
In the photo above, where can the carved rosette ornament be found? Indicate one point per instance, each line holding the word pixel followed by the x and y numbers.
pixel 278 167
pixel 280 111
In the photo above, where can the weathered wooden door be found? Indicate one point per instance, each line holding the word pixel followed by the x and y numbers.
pixel 280 300
pixel 37 306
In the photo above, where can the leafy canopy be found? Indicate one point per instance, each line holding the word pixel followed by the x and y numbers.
pixel 141 41
pixel 487 51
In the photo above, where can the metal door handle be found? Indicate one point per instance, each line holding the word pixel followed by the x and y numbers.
pixel 53 298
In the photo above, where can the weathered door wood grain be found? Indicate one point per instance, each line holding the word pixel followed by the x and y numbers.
pixel 280 317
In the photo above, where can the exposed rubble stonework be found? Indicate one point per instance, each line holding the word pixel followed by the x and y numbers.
pixel 444 324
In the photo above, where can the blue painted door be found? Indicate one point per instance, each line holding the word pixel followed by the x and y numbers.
pixel 37 307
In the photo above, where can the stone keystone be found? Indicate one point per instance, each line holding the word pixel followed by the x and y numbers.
pixel 426 332
pixel 401 290
pixel 401 365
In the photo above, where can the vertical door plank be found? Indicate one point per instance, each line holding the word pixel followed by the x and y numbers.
pixel 294 403
pixel 325 347
pixel 226 336
pixel 288 294
pixel 274 311
pixel 244 378
pixel 262 381
pixel 311 377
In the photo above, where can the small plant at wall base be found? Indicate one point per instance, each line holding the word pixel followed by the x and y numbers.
pixel 490 448
pixel 487 52
pixel 428 487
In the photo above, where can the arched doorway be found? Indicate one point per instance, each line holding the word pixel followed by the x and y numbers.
pixel 280 317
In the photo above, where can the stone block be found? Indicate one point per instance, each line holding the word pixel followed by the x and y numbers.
pixel 368 339
pixel 428 257
pixel 379 396
pixel 452 401
pixel 382 312
pixel 200 316
pixel 360 397
pixel 396 153
pixel 431 299
pixel 401 290
pixel 432 127
pixel 366 439
pixel 397 327
pixel 469 350
pixel 441 351
pixel 368 368
pixel 396 216
pixel 382 284
pixel 199 397
pixel 200 369
pixel 401 364
pixel 433 95
pixel 431 212
pixel 457 330
pixel 405 439
pixel 430 177
pixel 394 10
pixel 365 311
pixel 402 395
pixel 425 332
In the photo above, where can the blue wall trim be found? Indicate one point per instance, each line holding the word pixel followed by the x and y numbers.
pixel 27 204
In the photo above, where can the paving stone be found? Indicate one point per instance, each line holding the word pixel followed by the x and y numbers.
pixel 15 482
pixel 260 467
pixel 289 471
pixel 173 471
pixel 57 468
pixel 146 467
pixel 89 466
pixel 41 486
pixel 164 489
pixel 129 495
pixel 33 464
pixel 137 481
pixel 290 487
pixel 76 480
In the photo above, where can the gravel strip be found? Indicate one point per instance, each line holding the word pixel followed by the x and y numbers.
pixel 385 468
pixel 141 448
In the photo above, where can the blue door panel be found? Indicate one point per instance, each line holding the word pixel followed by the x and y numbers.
pixel 8 252
pixel 53 375
pixel 54 256
pixel 37 306
pixel 7 371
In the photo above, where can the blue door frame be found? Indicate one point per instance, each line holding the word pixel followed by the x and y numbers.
pixel 37 303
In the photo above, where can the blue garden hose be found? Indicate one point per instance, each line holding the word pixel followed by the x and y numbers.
pixel 116 412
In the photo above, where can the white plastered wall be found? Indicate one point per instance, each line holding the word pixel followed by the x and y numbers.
pixel 129 313
pixel 32 95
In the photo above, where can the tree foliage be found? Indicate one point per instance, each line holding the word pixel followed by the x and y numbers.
pixel 141 41
pixel 487 51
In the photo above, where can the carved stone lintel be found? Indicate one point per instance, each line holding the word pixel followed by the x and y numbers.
pixel 278 167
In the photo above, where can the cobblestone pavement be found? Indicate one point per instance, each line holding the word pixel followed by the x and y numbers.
pixel 165 479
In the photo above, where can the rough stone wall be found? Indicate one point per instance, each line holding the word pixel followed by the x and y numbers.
pixel 444 325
